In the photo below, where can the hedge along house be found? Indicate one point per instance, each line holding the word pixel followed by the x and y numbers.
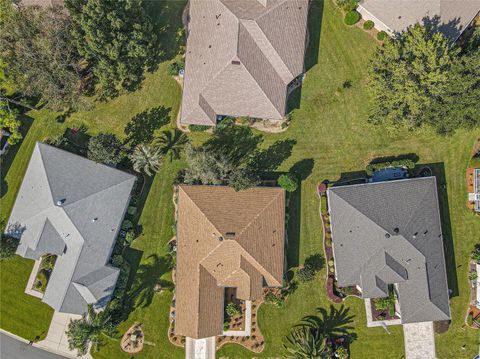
pixel 242 58
pixel 450 17
pixel 389 233
pixel 225 239
pixel 71 207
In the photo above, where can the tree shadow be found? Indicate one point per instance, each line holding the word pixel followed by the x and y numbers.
pixel 142 126
pixel 348 178
pixel 236 143
pixel 451 29
pixel 269 159
pixel 167 23
pixel 303 168
pixel 7 159
pixel 334 322
pixel 147 275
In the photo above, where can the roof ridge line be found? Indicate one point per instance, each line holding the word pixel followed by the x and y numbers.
pixel 258 214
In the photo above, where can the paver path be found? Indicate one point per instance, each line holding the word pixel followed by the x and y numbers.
pixel 419 340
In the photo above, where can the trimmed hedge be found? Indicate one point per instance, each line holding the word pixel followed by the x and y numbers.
pixel 198 128
pixel 352 17
pixel 382 35
pixel 368 25
pixel 379 166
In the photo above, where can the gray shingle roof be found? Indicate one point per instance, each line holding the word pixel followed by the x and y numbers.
pixel 73 207
pixel 450 17
pixel 241 56
pixel 390 232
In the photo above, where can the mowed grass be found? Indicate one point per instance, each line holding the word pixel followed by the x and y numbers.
pixel 331 129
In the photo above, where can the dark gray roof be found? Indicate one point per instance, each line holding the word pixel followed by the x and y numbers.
pixel 451 17
pixel 390 232
pixel 73 207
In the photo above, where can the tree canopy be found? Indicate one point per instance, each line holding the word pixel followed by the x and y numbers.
pixel 105 148
pixel 421 78
pixel 117 40
pixel 36 46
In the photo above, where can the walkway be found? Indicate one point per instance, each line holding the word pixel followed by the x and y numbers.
pixel 200 348
pixel 12 347
pixel 57 340
pixel 419 340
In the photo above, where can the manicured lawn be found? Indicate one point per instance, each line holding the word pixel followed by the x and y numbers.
pixel 21 314
pixel 331 131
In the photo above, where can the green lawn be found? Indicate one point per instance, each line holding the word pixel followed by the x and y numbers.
pixel 331 130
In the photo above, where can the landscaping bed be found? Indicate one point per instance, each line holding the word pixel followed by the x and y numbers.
pixel 44 271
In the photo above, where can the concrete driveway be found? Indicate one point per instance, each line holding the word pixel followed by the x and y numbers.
pixel 419 340
pixel 200 348
pixel 57 340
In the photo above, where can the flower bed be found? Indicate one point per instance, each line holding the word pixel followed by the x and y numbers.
pixel 43 275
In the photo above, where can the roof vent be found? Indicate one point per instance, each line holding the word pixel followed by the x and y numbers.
pixel 387 235
pixel 235 62
pixel 220 238
pixel 230 234
pixel 60 202
pixel 396 230
pixel 95 219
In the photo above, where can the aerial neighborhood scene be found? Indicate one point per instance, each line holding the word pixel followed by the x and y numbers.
pixel 239 179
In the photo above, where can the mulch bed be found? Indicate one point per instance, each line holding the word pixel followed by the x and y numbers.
pixel 376 314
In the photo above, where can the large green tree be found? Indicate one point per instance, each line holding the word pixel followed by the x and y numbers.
pixel 106 148
pixel 9 121
pixel 117 40
pixel 422 78
pixel 40 57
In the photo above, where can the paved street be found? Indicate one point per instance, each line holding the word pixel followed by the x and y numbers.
pixel 11 348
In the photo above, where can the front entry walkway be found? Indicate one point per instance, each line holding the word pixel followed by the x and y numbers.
pixel 419 340
pixel 56 340
pixel 200 348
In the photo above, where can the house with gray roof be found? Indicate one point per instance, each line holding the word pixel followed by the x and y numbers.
pixel 71 207
pixel 389 233
pixel 450 17
pixel 242 57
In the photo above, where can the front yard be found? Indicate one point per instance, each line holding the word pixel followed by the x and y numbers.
pixel 332 136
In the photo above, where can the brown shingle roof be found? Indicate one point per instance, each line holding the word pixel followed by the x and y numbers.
pixel 266 44
pixel 225 239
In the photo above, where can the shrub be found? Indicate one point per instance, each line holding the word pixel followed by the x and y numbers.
pixel 198 128
pixel 8 246
pixel 476 253
pixel 132 210
pixel 117 260
pixel 407 163
pixel 127 225
pixel 472 275
pixel 129 237
pixel 347 5
pixel 341 353
pixel 271 298
pixel 105 148
pixel 368 25
pixel 382 35
pixel 232 309
pixel 174 68
pixel 288 182
pixel 352 17
pixel 306 273
pixel 328 242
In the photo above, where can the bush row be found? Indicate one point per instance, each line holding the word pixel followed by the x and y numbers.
pixel 399 163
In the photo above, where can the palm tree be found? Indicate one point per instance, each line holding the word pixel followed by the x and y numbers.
pixel 306 342
pixel 171 142
pixel 144 159
pixel 90 329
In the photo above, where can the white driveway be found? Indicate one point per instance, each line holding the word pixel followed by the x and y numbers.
pixel 419 340
pixel 56 340
pixel 200 348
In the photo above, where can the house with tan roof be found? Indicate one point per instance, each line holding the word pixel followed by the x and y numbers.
pixel 242 58
pixel 225 239
pixel 450 17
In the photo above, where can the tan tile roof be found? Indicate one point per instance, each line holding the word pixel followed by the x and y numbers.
pixel 225 239
pixel 241 56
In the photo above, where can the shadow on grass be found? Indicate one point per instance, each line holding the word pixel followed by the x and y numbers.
pixel 142 126
pixel 7 159
pixel 334 322
pixel 302 169
pixel 314 29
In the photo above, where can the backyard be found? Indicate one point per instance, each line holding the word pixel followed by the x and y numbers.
pixel 333 141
